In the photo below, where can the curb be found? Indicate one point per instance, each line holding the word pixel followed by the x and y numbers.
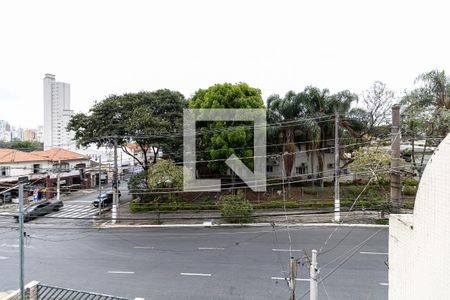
pixel 113 226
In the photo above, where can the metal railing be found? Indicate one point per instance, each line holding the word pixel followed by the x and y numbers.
pixel 45 292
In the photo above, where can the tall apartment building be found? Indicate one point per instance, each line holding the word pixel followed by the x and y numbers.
pixel 57 113
pixel 29 135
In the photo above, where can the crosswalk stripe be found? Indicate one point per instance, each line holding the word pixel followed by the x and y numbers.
pixel 76 211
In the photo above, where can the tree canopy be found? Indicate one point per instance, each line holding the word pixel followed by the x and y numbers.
pixel 217 143
pixel 151 120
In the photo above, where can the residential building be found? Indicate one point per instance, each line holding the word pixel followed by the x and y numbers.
pixel 57 113
pixel 419 243
pixel 29 135
pixel 42 168
pixel 306 165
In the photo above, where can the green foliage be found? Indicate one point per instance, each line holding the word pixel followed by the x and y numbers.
pixel 26 146
pixel 410 182
pixel 370 161
pixel 235 208
pixel 164 176
pixel 277 204
pixel 137 186
pixel 219 143
pixel 308 116
pixel 142 118
pixel 409 190
pixel 381 221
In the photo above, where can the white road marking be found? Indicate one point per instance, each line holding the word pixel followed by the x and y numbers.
pixel 15 246
pixel 384 283
pixel 210 248
pixel 3 257
pixel 195 274
pixel 120 272
pixel 287 250
pixel 143 247
pixel 374 253
pixel 282 278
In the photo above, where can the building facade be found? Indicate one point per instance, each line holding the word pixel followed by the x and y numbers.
pixel 307 167
pixel 57 113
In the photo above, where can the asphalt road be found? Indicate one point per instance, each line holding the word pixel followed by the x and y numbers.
pixel 214 263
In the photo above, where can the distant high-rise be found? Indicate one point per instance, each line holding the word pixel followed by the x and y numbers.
pixel 57 113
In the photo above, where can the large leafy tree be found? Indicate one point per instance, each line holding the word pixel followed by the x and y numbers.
pixel 151 120
pixel 216 141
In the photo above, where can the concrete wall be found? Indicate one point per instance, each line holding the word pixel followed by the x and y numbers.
pixel 419 245
pixel 30 292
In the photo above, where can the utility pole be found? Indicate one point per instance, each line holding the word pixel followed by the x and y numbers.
pixel 58 184
pixel 292 278
pixel 115 187
pixel 395 160
pixel 313 281
pixel 337 200
pixel 99 185
pixel 22 181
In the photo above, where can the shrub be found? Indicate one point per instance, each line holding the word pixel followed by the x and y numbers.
pixel 381 221
pixel 410 182
pixel 409 190
pixel 137 186
pixel 235 208
pixel 136 206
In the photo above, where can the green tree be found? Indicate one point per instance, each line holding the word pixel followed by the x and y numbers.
pixel 152 120
pixel 308 117
pixel 426 112
pixel 218 140
pixel 26 146
pixel 287 113
pixel 371 162
pixel 165 176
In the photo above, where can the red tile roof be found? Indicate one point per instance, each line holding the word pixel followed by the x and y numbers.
pixel 55 154
pixel 11 156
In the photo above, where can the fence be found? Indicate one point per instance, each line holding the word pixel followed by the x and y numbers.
pixel 45 292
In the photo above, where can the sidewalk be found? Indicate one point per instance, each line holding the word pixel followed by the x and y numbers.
pixel 260 216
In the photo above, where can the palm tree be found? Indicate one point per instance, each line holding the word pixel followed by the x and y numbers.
pixel 321 110
pixel 309 116
pixel 437 87
pixel 286 112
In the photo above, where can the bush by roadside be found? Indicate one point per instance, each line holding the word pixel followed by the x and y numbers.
pixel 235 208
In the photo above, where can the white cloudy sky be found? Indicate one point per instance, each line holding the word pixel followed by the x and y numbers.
pixel 106 47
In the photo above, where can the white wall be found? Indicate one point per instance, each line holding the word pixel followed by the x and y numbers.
pixel 419 249
pixel 26 168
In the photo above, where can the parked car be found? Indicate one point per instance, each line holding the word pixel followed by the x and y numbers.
pixel 40 208
pixel 105 199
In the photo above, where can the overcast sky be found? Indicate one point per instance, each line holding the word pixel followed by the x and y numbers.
pixel 112 47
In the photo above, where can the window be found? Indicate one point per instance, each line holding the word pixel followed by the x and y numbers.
pixel 269 169
pixel 4 171
pixel 63 167
pixel 302 170
pixel 80 166
pixel 330 166
pixel 36 168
